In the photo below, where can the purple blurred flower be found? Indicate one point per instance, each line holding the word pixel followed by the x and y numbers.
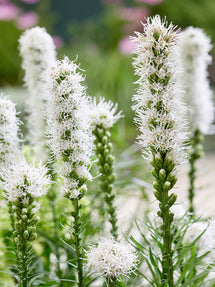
pixel 27 20
pixel 30 1
pixel 8 12
pixel 152 2
pixel 58 41
pixel 126 46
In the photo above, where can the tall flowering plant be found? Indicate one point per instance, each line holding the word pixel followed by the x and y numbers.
pixel 103 117
pixel 159 116
pixel 38 53
pixel 71 141
pixel 23 184
pixel 194 47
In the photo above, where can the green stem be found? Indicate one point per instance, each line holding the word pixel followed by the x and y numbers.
pixel 56 239
pixel 179 254
pixel 111 282
pixel 192 177
pixel 167 241
pixel 52 196
pixel 196 153
pixel 164 181
pixel 105 163
pixel 77 240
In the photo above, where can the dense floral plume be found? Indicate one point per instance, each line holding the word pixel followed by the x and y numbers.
pixel 104 114
pixel 9 141
pixel 111 258
pixel 159 109
pixel 194 49
pixel 22 180
pixel 69 125
pixel 38 53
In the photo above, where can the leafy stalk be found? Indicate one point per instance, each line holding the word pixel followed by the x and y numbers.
pixel 24 234
pixel 52 196
pixel 195 153
pixel 105 163
pixel 164 181
pixel 77 230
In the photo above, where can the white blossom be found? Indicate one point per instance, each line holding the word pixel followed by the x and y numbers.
pixel 38 53
pixel 157 104
pixel 104 114
pixel 68 120
pixel 194 51
pixel 23 180
pixel 9 141
pixel 111 258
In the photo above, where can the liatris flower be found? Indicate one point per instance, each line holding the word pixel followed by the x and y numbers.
pixel 21 181
pixel 111 259
pixel 69 126
pixel 71 140
pixel 23 184
pixel 157 103
pixel 159 112
pixel 194 51
pixel 38 53
pixel 103 116
pixel 9 141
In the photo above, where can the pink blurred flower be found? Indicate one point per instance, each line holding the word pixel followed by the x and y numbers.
pixel 126 46
pixel 133 17
pixel 152 2
pixel 27 20
pixel 58 41
pixel 8 12
pixel 3 1
pixel 30 1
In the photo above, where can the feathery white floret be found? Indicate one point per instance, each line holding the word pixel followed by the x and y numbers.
pixel 23 180
pixel 9 141
pixel 111 258
pixel 38 53
pixel 195 46
pixel 69 125
pixel 157 104
pixel 104 114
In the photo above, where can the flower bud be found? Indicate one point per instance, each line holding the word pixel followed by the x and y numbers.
pixel 26 234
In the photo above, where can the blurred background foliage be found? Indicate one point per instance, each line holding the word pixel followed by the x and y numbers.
pixel 98 32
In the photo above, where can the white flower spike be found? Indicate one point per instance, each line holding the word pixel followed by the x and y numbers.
pixel 23 180
pixel 195 46
pixel 9 141
pixel 104 114
pixel 68 120
pixel 38 53
pixel 157 104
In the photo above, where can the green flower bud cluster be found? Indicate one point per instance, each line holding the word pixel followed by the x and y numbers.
pixel 24 233
pixel 107 178
pixel 163 168
pixel 196 152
